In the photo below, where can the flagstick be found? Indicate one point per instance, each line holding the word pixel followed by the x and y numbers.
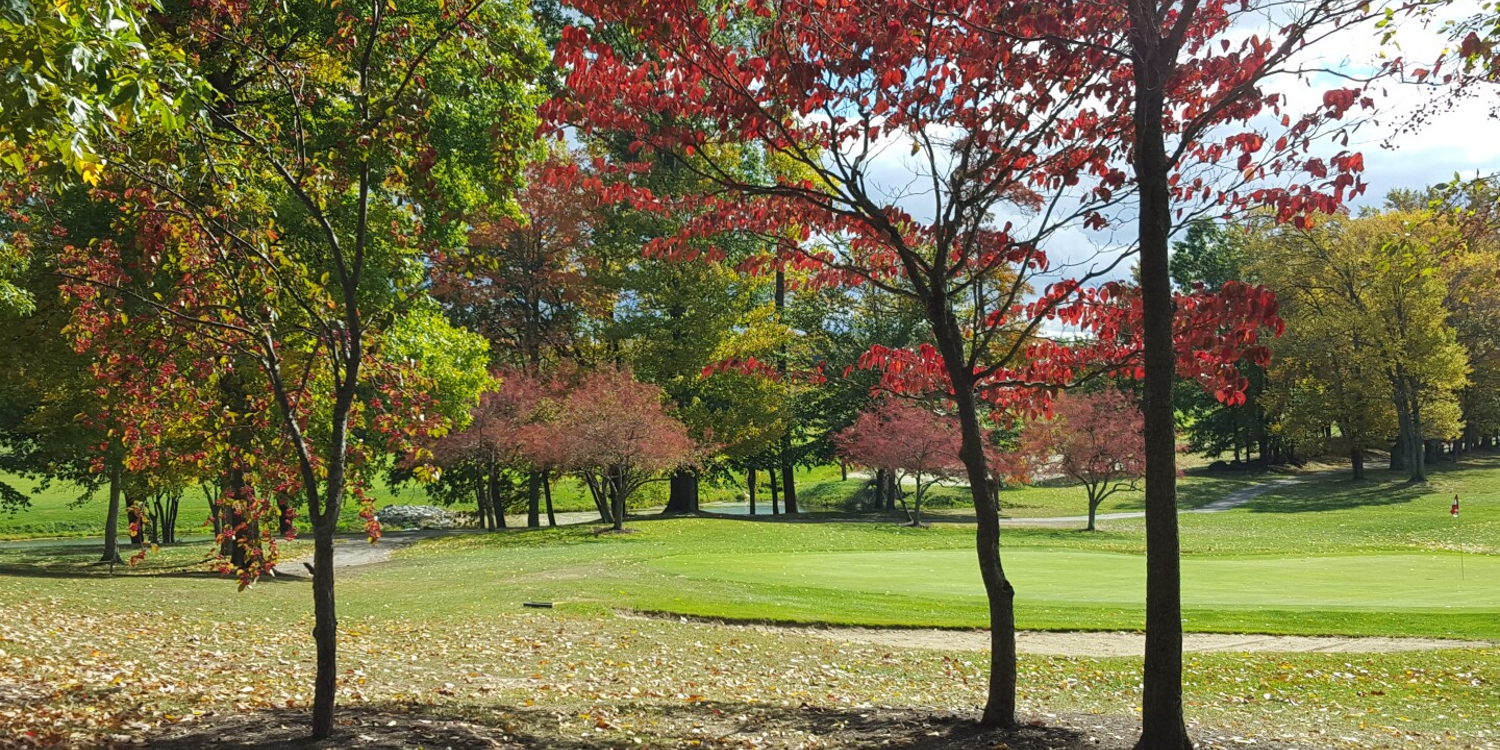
pixel 1456 521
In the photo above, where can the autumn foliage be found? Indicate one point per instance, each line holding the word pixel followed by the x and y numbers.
pixel 908 440
pixel 1094 438
pixel 615 432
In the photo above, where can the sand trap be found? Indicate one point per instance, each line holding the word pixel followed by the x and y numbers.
pixel 1134 644
pixel 1100 643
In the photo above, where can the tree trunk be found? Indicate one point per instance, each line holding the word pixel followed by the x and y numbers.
pixel 112 516
pixel 843 472
pixel 683 497
pixel 158 520
pixel 916 501
pixel 1093 511
pixel 750 488
pixel 892 490
pixel 325 628
pixel 1000 702
pixel 788 480
pixel 226 527
pixel 213 509
pixel 325 520
pixel 879 490
pixel 599 489
pixel 1416 455
pixel 533 500
pixel 497 498
pixel 1162 724
pixel 284 525
pixel 1357 460
pixel 618 496
pixel 775 492
pixel 547 496
pixel 482 499
pixel 788 477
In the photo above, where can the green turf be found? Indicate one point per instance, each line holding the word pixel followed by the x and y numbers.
pixel 62 509
pixel 1323 557
pixel 1381 581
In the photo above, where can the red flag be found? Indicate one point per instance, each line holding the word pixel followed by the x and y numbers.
pixel 1454 511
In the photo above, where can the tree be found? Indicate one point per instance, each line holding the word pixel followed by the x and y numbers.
pixel 74 72
pixel 1196 85
pixel 334 148
pixel 617 436
pixel 1095 438
pixel 1209 255
pixel 907 440
pixel 513 428
pixel 1370 349
pixel 527 282
pixel 994 123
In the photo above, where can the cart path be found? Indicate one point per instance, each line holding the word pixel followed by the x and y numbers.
pixel 1231 501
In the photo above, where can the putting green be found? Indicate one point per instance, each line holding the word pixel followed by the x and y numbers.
pixel 1389 581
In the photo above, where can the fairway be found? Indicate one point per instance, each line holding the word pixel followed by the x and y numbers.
pixel 1367 582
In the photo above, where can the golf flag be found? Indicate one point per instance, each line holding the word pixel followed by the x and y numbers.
pixel 1454 511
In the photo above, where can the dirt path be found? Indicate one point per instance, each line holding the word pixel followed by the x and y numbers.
pixel 1104 643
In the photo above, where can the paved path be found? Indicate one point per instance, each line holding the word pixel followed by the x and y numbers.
pixel 1228 502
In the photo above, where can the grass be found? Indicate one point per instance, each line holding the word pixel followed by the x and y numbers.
pixel 440 631
pixel 61 509
pixel 1326 556
pixel 125 655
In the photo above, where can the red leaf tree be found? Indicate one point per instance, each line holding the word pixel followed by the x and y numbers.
pixel 614 432
pixel 1009 133
pixel 528 282
pixel 907 440
pixel 1094 438
pixel 525 282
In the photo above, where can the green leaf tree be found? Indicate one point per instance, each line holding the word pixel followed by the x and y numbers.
pixel 336 149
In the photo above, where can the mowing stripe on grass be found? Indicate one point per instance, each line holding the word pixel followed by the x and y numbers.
pixel 1371 582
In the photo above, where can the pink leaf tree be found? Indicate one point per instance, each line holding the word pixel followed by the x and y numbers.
pixel 909 441
pixel 614 432
pixel 499 438
pixel 1095 438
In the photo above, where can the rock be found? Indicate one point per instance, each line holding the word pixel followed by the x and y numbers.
pixel 420 517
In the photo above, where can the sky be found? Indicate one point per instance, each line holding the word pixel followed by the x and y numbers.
pixel 1458 137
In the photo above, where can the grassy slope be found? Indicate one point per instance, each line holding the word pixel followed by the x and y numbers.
pixel 58 512
pixel 1322 557
pixel 442 631
pixel 443 634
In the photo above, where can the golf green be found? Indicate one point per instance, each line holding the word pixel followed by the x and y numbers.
pixel 1379 582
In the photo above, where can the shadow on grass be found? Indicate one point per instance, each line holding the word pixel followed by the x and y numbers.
pixel 100 570
pixel 1345 494
pixel 596 727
